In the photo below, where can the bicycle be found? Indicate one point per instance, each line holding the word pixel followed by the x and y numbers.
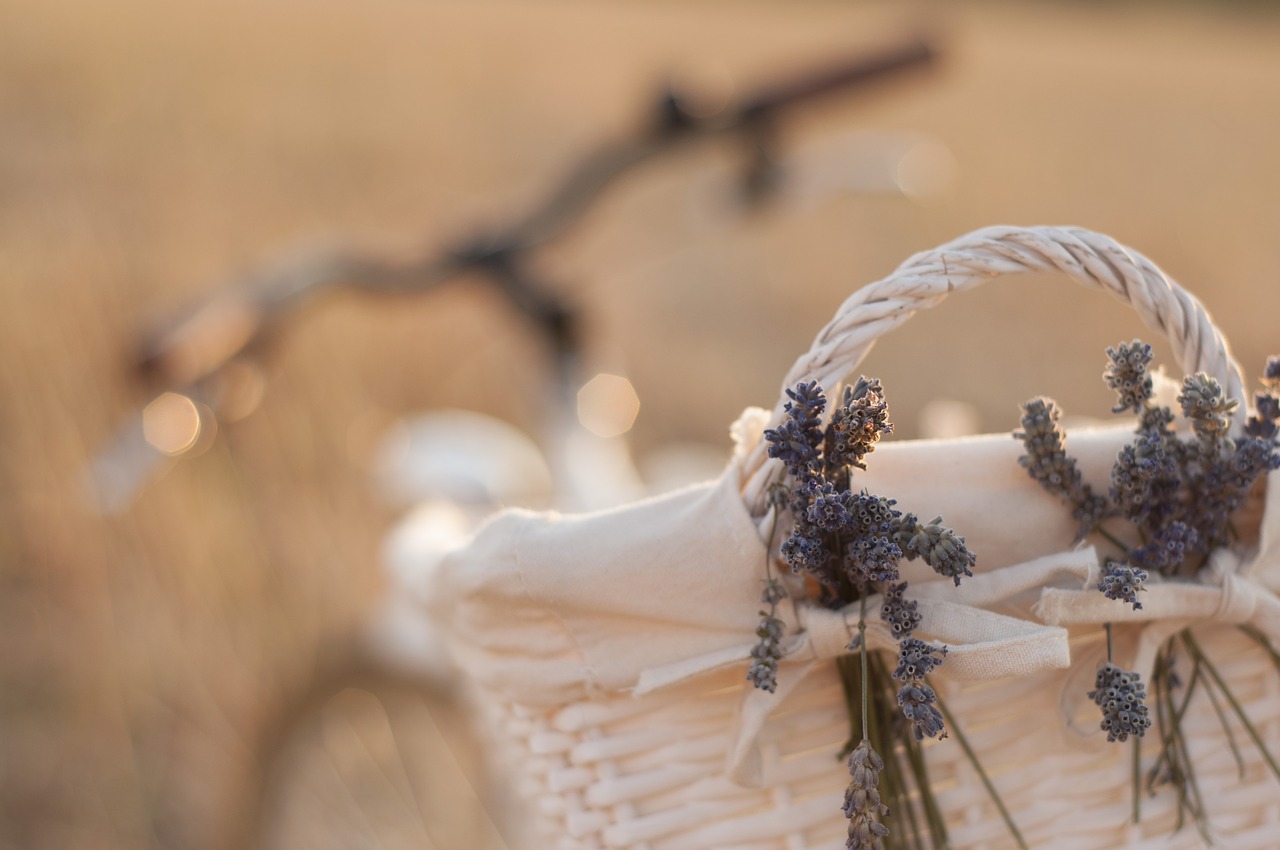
pixel 403 696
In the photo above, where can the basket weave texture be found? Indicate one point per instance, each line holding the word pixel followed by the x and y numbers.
pixel 610 650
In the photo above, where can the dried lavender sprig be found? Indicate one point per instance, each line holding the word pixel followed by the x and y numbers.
pixel 1126 373
pixel 938 546
pixel 1144 480
pixel 1271 372
pixel 918 706
pixel 1167 549
pixel 1123 581
pixel 1048 463
pixel 856 425
pixel 828 508
pixel 805 552
pixel 767 652
pixel 900 614
pixel 795 442
pixel 916 659
pixel 1207 406
pixel 862 804
pixel 1265 422
pixel 872 551
pixel 1121 696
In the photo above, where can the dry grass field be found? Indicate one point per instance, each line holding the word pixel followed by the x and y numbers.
pixel 150 150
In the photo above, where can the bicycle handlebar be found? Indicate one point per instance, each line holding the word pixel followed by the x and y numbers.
pixel 183 354
pixel 234 321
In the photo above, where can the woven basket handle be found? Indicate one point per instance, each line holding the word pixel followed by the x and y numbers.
pixel 1091 259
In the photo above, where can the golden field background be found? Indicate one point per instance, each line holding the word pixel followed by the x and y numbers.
pixel 150 150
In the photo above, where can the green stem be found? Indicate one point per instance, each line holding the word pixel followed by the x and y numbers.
pixel 1226 728
pixel 845 666
pixel 1182 709
pixel 1194 648
pixel 920 773
pixel 1137 780
pixel 1112 539
pixel 1185 776
pixel 982 774
pixel 1264 642
pixel 862 650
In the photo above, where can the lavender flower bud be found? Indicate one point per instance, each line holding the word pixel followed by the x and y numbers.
pixel 1144 479
pixel 1168 548
pixel 917 700
pixel 900 614
pixel 872 552
pixel 1263 423
pixel 1156 419
pixel 828 507
pixel 856 425
pixel 1122 581
pixel 1048 463
pixel 805 552
pixel 862 804
pixel 1121 696
pixel 767 652
pixel 795 442
pixel 939 546
pixel 1204 403
pixel 916 659
pixel 1252 458
pixel 872 558
pixel 1127 375
pixel 789 444
pixel 1271 373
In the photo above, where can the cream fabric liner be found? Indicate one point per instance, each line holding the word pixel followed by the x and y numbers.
pixel 545 609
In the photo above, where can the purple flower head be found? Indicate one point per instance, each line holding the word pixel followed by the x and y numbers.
pixel 1271 372
pixel 805 553
pixel 916 659
pixel 1126 373
pixel 917 700
pixel 1144 479
pixel 1263 424
pixel 1122 581
pixel 856 425
pixel 900 614
pixel 862 804
pixel 828 507
pixel 939 547
pixel 766 654
pixel 795 442
pixel 1205 404
pixel 1168 548
pixel 1121 697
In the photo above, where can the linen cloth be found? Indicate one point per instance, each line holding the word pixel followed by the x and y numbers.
pixel 544 608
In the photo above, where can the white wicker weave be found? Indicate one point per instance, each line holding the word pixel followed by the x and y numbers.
pixel 649 772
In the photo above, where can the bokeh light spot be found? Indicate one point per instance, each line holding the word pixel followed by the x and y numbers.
pixel 171 424
pixel 608 405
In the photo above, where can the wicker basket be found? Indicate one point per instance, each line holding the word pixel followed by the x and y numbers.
pixel 610 649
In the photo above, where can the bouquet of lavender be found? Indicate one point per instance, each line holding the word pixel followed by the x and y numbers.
pixel 1169 505
pixel 849 544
